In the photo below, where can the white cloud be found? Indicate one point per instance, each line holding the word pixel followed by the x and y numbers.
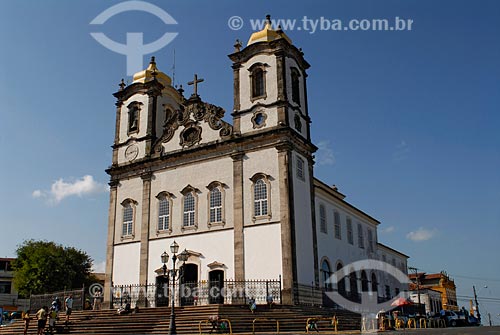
pixel 37 194
pixel 99 267
pixel 388 230
pixel 421 234
pixel 401 152
pixel 324 155
pixel 61 189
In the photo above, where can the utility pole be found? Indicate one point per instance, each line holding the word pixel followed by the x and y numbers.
pixel 477 305
pixel 418 285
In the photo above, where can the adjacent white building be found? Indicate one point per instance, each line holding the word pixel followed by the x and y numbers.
pixel 240 197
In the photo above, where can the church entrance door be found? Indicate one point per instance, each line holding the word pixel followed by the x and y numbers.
pixel 189 280
pixel 216 284
pixel 162 291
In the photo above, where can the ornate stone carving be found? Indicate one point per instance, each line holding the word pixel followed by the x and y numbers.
pixel 191 135
pixel 192 112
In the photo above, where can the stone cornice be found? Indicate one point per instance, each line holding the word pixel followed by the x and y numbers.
pixel 271 48
pixel 231 147
pixel 152 87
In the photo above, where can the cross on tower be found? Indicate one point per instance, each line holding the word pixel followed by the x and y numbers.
pixel 195 83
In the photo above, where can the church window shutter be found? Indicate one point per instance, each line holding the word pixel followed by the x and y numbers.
pixel 322 218
pixel 295 86
pixel 338 231
pixel 361 242
pixel 350 237
pixel 300 168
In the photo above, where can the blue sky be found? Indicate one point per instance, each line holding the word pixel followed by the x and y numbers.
pixel 407 121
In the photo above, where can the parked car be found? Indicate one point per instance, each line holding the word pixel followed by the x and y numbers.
pixel 472 321
pixel 454 319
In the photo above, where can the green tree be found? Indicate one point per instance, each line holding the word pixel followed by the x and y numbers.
pixel 43 267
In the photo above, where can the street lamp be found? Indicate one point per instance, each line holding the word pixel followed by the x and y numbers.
pixel 477 304
pixel 182 257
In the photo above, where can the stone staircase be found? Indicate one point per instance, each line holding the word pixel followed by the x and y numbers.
pixel 156 320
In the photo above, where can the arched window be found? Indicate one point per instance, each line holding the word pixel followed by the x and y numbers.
pixel 353 284
pixel 128 219
pixel 215 205
pixel 164 210
pixel 322 218
pixel 216 199
pixel 163 214
pixel 258 88
pixel 133 117
pixel 295 86
pixel 190 207
pixel 374 283
pixel 326 273
pixel 128 215
pixel 260 197
pixel 189 210
pixel 257 81
pixel 341 281
pixel 364 281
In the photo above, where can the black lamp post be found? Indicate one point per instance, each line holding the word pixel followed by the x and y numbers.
pixel 182 257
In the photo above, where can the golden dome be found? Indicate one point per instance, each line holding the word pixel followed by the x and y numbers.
pixel 268 34
pixel 147 75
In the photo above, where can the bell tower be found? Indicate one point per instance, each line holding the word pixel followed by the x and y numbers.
pixel 143 107
pixel 270 110
pixel 270 84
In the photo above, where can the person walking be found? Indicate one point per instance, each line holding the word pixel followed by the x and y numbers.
pixel 69 307
pixel 41 316
pixel 252 305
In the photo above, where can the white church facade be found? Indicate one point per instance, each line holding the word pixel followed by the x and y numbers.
pixel 240 197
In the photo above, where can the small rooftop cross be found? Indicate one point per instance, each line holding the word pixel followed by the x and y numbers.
pixel 195 83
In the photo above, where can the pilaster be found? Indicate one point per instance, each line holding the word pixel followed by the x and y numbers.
pixel 119 105
pixel 108 281
pixel 238 207
pixel 287 224
pixel 145 222
pixel 313 222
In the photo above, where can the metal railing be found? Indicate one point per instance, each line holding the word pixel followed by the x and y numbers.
pixel 197 293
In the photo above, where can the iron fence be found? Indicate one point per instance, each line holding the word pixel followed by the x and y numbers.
pixel 197 293
pixel 37 301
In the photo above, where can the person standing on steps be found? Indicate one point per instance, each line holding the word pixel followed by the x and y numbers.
pixel 26 318
pixel 97 300
pixel 69 307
